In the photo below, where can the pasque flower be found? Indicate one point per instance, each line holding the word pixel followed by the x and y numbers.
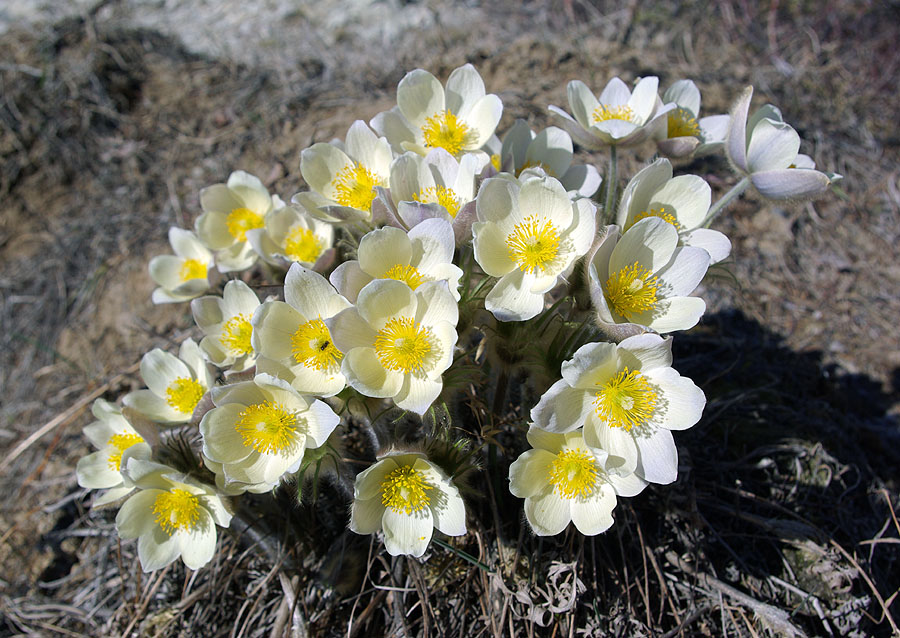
pixel 686 133
pixel 185 274
pixel 292 235
pixel 225 322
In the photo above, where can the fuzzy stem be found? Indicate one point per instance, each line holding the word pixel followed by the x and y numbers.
pixel 726 199
pixel 611 178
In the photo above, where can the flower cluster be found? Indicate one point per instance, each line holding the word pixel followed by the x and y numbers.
pixel 425 246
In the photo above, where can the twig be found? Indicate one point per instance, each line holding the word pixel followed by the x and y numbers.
pixel 884 608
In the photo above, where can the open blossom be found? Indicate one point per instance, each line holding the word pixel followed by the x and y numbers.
pixel 686 133
pixel 424 254
pixel 681 201
pixel 185 274
pixel 628 399
pixel 619 117
pixel 225 322
pixel 343 177
pixel 528 235
pixel 292 338
pixel 175 384
pixel 406 496
pixel 641 279
pixel 116 440
pixel 563 480
pixel 259 431
pixel 292 235
pixel 459 119
pixel 171 515
pixel 229 211
pixel 398 341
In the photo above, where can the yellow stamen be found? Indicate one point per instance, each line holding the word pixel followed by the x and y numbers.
pixel 236 335
pixel 355 186
pixel 301 244
pixel 533 245
pixel 439 195
pixel 192 269
pixel 404 490
pixel 121 442
pixel 682 124
pixel 177 509
pixel 495 161
pixel 626 400
pixel 407 274
pixel 240 220
pixel 444 131
pixel 573 473
pixel 632 290
pixel 405 346
pixel 605 112
pixel 533 164
pixel 268 427
pixel 184 393
pixel 660 212
pixel 312 346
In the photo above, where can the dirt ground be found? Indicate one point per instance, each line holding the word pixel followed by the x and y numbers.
pixel 783 517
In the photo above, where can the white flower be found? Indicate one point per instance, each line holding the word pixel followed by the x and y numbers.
pixel 528 235
pixel 171 516
pixel 185 274
pixel 459 119
pixel 765 149
pixel 643 278
pixel 406 496
pixel 291 235
pixel 424 254
pixel 291 336
pixel 259 431
pixel 115 441
pixel 175 384
pixel 563 480
pixel 225 322
pixel 343 177
pixel 628 399
pixel 682 201
pixel 617 118
pixel 686 133
pixel 229 211
pixel 397 342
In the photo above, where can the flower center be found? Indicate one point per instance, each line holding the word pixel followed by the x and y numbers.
pixel 302 245
pixel 240 220
pixel 660 212
pixel 403 345
pixel 404 490
pixel 682 124
pixel 355 186
pixel 496 161
pixel 631 290
pixel 312 346
pixel 606 112
pixel 192 269
pixel 533 245
pixel 533 164
pixel 176 509
pixel 444 131
pixel 236 335
pixel 120 442
pixel 626 400
pixel 407 274
pixel 439 195
pixel 184 393
pixel 573 473
pixel 267 427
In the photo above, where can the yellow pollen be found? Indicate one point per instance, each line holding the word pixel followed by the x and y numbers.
pixel 268 427
pixel 240 220
pixel 407 274
pixel 312 346
pixel 632 290
pixel 301 244
pixel 533 245
pixel 626 400
pixel 495 161
pixel 184 393
pixel 404 490
pixel 660 212
pixel 573 473
pixel 355 186
pixel 236 335
pixel 177 509
pixel 192 269
pixel 121 442
pixel 445 131
pixel 682 124
pixel 402 345
pixel 604 112
pixel 439 195
pixel 533 164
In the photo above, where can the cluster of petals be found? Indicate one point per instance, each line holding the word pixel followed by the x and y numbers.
pixel 291 235
pixel 225 322
pixel 686 133
pixel 184 275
